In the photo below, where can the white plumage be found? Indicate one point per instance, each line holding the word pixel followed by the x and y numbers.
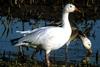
pixel 85 40
pixel 50 38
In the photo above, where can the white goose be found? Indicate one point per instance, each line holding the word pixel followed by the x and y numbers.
pixel 85 40
pixel 50 38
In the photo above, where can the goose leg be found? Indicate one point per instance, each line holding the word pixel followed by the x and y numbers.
pixel 21 50
pixel 47 58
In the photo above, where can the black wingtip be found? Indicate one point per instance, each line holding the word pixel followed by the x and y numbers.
pixel 14 41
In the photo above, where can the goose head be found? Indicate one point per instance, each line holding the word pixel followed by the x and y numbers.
pixel 86 43
pixel 70 8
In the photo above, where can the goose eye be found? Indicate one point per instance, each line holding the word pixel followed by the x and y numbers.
pixel 70 6
pixel 89 44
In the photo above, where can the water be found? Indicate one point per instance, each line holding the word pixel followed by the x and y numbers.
pixel 75 51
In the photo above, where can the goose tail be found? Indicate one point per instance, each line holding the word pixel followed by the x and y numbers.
pixel 21 44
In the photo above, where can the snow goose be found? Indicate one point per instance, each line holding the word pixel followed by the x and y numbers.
pixel 50 38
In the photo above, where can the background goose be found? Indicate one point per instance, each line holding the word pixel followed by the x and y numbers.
pixel 85 40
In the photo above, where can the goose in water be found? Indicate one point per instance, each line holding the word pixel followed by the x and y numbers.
pixel 85 40
pixel 50 38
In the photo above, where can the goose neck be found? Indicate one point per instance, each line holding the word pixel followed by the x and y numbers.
pixel 66 23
